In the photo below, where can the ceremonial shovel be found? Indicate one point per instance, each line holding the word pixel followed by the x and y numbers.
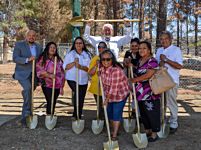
pixel 32 120
pixel 51 120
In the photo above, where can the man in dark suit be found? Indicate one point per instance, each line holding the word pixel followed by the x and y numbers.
pixel 24 53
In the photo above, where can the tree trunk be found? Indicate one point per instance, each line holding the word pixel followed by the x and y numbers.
pixel 196 31
pixel 95 15
pixel 5 49
pixel 150 20
pixel 115 16
pixel 178 42
pixel 187 42
pixel 161 20
pixel 141 17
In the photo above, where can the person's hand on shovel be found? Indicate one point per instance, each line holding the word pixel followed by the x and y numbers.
pixel 51 75
pixel 76 62
pixel 90 22
pixel 105 103
pixel 31 58
pixel 126 22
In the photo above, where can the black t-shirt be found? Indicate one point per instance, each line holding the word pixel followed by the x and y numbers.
pixel 134 60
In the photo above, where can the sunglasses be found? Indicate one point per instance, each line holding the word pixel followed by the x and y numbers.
pixel 101 46
pixel 106 59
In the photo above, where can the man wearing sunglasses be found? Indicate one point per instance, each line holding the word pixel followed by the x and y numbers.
pixel 113 42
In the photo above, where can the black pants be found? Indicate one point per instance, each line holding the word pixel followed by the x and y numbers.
pixel 101 110
pixel 82 93
pixel 48 96
pixel 150 114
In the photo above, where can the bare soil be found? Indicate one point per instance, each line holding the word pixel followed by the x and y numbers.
pixel 12 136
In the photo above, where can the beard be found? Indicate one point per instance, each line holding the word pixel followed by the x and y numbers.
pixel 31 42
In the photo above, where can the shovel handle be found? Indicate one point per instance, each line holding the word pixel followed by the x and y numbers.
pixel 129 99
pixel 163 107
pixel 105 111
pixel 77 92
pixel 111 20
pixel 53 85
pixel 98 96
pixel 32 84
pixel 135 100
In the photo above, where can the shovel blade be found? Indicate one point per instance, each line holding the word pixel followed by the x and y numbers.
pixel 129 125
pixel 140 140
pixel 164 132
pixel 97 126
pixel 78 126
pixel 77 24
pixel 113 145
pixel 32 121
pixel 50 122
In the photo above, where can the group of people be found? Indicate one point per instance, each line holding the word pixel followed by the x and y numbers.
pixel 104 66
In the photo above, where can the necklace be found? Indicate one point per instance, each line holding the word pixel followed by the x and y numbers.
pixel 144 60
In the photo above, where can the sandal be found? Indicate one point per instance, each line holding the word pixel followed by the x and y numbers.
pixel 114 138
pixel 151 139
pixel 148 135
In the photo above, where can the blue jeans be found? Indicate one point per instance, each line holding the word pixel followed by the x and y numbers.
pixel 115 110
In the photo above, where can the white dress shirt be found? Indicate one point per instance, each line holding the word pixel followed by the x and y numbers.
pixel 114 43
pixel 84 60
pixel 174 54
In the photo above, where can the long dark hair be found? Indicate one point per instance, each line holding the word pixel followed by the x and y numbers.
pixel 45 53
pixel 84 47
pixel 115 63
pixel 102 42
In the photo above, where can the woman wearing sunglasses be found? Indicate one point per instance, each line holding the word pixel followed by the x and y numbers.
pixel 116 89
pixel 93 73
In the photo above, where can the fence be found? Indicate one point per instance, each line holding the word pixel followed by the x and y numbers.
pixel 190 75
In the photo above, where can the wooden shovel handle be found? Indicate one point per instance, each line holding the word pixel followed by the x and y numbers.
pixel 112 20
pixel 32 84
pixel 53 85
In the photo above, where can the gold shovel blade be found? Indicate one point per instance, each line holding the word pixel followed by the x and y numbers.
pixel 164 132
pixel 97 126
pixel 113 145
pixel 32 121
pixel 76 21
pixel 78 126
pixel 129 125
pixel 50 122
pixel 140 140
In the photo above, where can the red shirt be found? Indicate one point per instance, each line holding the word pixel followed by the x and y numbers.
pixel 115 83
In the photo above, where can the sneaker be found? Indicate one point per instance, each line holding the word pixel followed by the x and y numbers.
pixel 172 130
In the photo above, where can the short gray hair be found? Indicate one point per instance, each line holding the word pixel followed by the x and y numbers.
pixel 166 33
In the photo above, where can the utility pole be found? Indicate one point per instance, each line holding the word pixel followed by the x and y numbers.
pixel 76 12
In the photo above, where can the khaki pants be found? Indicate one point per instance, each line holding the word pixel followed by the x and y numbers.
pixel 171 103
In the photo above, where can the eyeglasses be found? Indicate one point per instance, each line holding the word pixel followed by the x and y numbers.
pixel 101 46
pixel 79 43
pixel 106 59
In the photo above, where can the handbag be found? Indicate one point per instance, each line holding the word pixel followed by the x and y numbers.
pixel 161 81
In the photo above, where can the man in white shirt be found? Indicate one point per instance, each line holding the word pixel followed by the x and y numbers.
pixel 171 56
pixel 113 42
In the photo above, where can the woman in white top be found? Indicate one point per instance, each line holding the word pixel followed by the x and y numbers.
pixel 78 57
